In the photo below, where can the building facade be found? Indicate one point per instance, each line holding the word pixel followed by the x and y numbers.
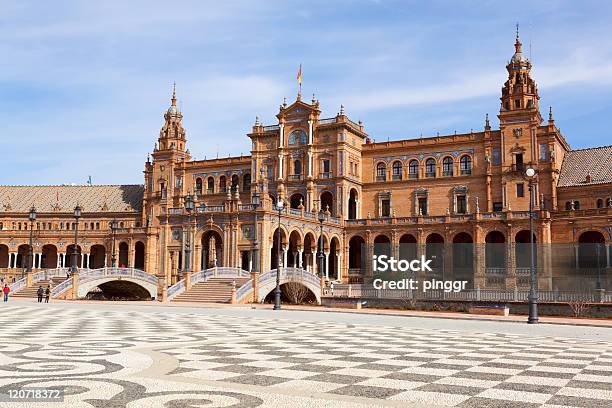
pixel 461 199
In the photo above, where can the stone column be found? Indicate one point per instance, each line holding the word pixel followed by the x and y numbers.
pixel 285 250
pixel 510 259
pixel 326 265
pixel 300 258
pixel 338 266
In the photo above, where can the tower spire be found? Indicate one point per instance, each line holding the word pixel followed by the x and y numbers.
pixel 174 94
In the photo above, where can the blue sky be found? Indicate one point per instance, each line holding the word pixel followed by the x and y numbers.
pixel 83 85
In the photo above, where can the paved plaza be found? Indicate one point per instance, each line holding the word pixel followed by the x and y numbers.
pixel 131 355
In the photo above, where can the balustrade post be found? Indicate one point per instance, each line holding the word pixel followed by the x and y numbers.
pixel 28 279
pixel 254 283
pixel 75 285
pixel 187 277
pixel 233 300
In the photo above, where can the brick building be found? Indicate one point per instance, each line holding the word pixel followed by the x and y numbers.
pixel 462 199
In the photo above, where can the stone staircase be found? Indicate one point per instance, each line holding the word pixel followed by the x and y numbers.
pixel 31 291
pixel 214 290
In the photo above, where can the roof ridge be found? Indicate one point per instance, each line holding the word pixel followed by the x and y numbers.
pixel 591 148
pixel 69 185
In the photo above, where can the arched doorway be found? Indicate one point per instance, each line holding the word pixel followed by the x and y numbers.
pixel 295 245
pixel 139 255
pixel 522 249
pixel 310 251
pixel 495 258
pixel 70 256
pixel 382 245
pixel 296 200
pixel 592 260
pixel 49 256
pixel 327 202
pixel 463 258
pixel 334 258
pixel 434 250
pixel 212 250
pixel 352 205
pixel 356 261
pixel 274 261
pixel 22 256
pixel 4 256
pixel 407 247
pixel 97 255
pixel 123 255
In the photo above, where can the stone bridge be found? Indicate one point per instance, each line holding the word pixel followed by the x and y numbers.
pixel 266 283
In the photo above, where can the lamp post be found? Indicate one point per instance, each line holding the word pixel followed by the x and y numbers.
pixel 321 256
pixel 77 215
pixel 189 207
pixel 533 295
pixel 32 218
pixel 114 225
pixel 277 292
pixel 254 260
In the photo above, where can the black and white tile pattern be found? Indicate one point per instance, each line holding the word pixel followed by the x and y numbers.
pixel 249 362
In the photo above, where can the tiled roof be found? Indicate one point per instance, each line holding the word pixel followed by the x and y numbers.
pixel 577 164
pixel 63 199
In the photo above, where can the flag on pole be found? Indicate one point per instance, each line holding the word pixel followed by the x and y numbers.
pixel 299 76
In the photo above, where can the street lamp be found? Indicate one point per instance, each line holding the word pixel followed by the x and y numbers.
pixel 189 207
pixel 321 256
pixel 277 292
pixel 256 204
pixel 533 295
pixel 32 218
pixel 114 226
pixel 77 215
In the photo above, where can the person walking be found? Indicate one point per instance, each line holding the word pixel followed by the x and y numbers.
pixel 39 292
pixel 47 294
pixel 6 291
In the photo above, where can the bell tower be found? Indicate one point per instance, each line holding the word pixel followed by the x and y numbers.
pixel 172 133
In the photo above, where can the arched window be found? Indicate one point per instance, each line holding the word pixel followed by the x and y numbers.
pixel 297 137
pixel 198 186
pixel 599 203
pixel 609 202
pixel 235 183
pixel 381 172
pixel 465 165
pixel 430 168
pixel 246 182
pixel 397 170
pixel 210 186
pixel 447 166
pixel 413 169
pixel 222 184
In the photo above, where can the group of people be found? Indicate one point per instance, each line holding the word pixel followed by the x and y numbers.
pixel 43 292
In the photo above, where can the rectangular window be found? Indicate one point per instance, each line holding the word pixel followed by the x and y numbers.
pixel 461 204
pixel 520 190
pixel 270 171
pixel 543 152
pixel 177 182
pixel 422 205
pixel 326 166
pixel 496 156
pixel 497 207
pixel 519 165
pixel 385 208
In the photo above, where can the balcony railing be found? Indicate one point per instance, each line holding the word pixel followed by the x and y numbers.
pixel 326 175
pixel 430 174
pixel 381 178
pixel 447 173
pixel 466 172
pixel 413 176
pixel 397 177
pixel 519 167
pixel 295 177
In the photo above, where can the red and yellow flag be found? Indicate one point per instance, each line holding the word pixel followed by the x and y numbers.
pixel 299 76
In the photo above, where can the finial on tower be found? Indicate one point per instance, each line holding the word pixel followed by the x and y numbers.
pixel 341 110
pixel 517 43
pixel 487 124
pixel 257 123
pixel 174 94
pixel 550 114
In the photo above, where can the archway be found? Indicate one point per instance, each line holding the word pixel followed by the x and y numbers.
pixel 463 258
pixel 118 290
pixel 590 245
pixel 352 205
pixel 293 293
pixel 139 255
pixel 97 255
pixel 334 257
pixel 123 255
pixel 4 256
pixel 22 256
pixel 296 200
pixel 275 248
pixel 434 250
pixel 212 250
pixel 327 202
pixel 70 256
pixel 49 256
pixel 295 245
pixel 495 250
pixel 407 247
pixel 310 249
pixel 522 249
pixel 382 245
pixel 356 262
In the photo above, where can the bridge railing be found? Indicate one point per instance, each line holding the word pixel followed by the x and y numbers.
pixel 88 275
pixel 244 290
pixel 49 273
pixel 61 288
pixel 17 285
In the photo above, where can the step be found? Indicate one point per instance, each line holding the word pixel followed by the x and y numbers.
pixel 216 290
